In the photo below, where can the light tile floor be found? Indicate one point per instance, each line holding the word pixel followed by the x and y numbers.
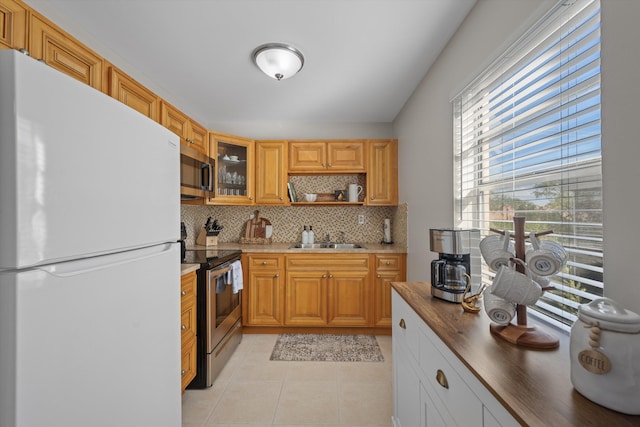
pixel 255 391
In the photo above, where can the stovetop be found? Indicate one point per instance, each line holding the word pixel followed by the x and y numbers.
pixel 211 257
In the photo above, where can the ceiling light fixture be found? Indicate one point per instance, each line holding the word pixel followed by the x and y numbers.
pixel 277 60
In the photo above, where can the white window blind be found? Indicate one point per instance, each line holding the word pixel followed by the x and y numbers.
pixel 527 142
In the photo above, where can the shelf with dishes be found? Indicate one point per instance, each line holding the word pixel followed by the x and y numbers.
pixel 347 190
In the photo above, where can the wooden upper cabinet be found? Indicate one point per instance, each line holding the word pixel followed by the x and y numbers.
pixel 271 173
pixel 234 169
pixel 191 133
pixel 327 156
pixel 13 25
pixel 382 173
pixel 131 93
pixel 64 53
pixel 346 156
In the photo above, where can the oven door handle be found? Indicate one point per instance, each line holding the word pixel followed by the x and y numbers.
pixel 216 273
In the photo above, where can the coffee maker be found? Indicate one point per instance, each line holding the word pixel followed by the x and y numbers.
pixel 458 260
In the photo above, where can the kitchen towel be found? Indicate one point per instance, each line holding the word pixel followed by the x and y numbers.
pixel 236 276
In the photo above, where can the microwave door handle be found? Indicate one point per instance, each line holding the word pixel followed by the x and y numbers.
pixel 207 179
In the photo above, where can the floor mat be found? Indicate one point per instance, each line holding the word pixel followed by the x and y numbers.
pixel 327 347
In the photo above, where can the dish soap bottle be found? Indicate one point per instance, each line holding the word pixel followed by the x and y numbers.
pixel 312 237
pixel 305 235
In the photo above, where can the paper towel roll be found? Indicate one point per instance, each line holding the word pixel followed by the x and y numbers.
pixel 387 230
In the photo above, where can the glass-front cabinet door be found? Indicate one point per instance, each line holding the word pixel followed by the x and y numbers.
pixel 234 159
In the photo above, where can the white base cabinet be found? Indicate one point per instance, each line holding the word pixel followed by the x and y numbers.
pixel 432 387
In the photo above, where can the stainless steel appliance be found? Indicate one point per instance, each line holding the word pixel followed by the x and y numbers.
pixel 459 259
pixel 219 328
pixel 196 174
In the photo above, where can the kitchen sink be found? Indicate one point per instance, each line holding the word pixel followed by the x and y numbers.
pixel 327 245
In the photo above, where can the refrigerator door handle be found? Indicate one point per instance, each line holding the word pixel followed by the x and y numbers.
pixel 88 265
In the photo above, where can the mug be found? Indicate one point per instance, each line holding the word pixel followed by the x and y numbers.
pixel 498 309
pixel 545 258
pixel 514 286
pixel 354 192
pixel 496 250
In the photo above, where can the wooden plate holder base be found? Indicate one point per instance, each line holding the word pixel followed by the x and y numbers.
pixel 521 334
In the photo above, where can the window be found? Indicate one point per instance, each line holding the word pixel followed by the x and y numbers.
pixel 527 142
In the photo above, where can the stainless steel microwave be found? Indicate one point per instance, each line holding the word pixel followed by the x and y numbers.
pixel 196 174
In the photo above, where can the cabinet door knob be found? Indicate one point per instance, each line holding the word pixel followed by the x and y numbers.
pixel 330 276
pixel 183 293
pixel 379 276
pixel 264 262
pixel 403 325
pixel 183 372
pixel 277 275
pixel 280 198
pixel 183 327
pixel 372 198
pixel 324 276
pixel 250 197
pixel 388 262
pixel 442 379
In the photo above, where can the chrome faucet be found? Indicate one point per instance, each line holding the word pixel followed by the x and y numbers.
pixel 327 238
pixel 342 237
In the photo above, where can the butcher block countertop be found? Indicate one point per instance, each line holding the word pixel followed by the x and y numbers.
pixel 286 248
pixel 533 385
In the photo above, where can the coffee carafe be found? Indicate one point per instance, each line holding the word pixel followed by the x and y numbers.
pixel 451 272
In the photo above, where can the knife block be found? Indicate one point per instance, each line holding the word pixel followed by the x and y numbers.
pixel 205 240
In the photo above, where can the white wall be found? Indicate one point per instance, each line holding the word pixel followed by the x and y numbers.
pixel 621 149
pixel 424 129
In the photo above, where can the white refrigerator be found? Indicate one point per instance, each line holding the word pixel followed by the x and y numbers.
pixel 89 264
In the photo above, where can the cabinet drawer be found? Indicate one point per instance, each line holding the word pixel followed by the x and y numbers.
pixel 447 385
pixel 333 263
pixel 264 262
pixel 388 262
pixel 188 318
pixel 188 363
pixel 405 329
pixel 188 285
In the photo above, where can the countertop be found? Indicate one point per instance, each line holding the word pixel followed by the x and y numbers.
pixel 188 268
pixel 533 385
pixel 286 248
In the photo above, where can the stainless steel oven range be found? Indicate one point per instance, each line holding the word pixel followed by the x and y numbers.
pixel 219 328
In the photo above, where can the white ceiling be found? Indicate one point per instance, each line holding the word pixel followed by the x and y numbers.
pixel 363 58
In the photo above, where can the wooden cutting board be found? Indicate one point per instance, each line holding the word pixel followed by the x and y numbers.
pixel 256 227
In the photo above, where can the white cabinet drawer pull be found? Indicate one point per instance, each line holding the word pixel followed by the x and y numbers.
pixel 403 325
pixel 442 379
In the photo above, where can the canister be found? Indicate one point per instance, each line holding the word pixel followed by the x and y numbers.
pixel 605 355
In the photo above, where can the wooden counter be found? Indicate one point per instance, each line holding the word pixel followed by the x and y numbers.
pixel 533 385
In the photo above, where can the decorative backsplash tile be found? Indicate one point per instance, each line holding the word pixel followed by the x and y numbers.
pixel 288 221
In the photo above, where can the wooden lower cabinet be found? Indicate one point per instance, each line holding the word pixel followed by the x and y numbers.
pixel 188 318
pixel 263 293
pixel 389 268
pixel 340 290
pixel 327 290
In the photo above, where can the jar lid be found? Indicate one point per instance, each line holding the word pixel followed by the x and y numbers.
pixel 608 310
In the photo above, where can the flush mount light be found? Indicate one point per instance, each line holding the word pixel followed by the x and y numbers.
pixel 277 60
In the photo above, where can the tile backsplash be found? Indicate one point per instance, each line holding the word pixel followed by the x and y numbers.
pixel 287 221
